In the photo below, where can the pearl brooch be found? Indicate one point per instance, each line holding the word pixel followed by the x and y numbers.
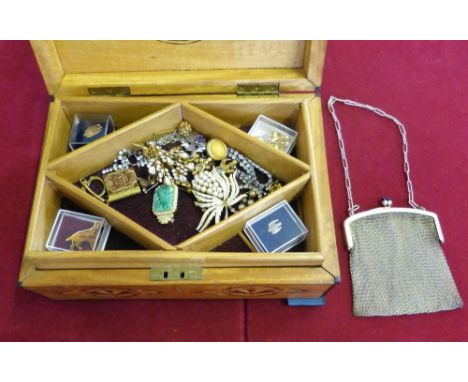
pixel 215 193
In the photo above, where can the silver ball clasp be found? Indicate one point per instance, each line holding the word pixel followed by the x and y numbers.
pixel 386 202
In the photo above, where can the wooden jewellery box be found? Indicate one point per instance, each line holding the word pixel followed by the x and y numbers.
pixel 148 87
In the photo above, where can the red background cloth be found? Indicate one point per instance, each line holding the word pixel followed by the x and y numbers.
pixel 422 83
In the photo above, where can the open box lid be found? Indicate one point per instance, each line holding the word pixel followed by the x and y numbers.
pixel 169 67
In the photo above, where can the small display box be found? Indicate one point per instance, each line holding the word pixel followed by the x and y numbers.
pixel 274 133
pixel 86 128
pixel 278 229
pixel 74 231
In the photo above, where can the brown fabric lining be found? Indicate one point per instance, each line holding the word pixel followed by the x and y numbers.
pixel 139 209
pixel 118 241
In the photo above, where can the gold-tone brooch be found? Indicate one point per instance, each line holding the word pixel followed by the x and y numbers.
pixel 184 129
pixel 92 130
pixel 89 236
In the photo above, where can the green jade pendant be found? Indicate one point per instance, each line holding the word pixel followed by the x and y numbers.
pixel 165 202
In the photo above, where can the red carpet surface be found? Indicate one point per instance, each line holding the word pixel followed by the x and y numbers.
pixel 422 83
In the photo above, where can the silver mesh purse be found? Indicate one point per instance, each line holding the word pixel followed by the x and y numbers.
pixel 396 260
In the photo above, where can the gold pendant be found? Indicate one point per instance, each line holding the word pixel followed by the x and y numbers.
pixel 165 200
pixel 184 129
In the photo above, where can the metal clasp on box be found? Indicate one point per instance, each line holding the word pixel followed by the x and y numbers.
pixel 176 273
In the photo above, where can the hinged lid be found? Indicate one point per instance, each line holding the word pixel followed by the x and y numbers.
pixel 163 67
pixel 256 89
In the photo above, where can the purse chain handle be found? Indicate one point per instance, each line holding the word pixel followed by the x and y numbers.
pixel 352 208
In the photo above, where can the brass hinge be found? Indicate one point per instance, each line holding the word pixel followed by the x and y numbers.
pixel 121 91
pixel 257 90
pixel 176 273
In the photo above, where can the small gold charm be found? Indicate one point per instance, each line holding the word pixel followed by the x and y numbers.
pixel 145 183
pixel 121 184
pixel 92 130
pixel 89 236
pixel 202 164
pixel 217 149
pixel 228 166
pixel 86 185
pixel 274 186
pixel 184 129
pixel 277 140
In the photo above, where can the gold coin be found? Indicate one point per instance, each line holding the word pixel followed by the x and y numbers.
pixel 217 149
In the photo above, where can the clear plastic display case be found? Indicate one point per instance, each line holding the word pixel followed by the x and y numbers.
pixel 278 229
pixel 86 128
pixel 75 231
pixel 274 133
